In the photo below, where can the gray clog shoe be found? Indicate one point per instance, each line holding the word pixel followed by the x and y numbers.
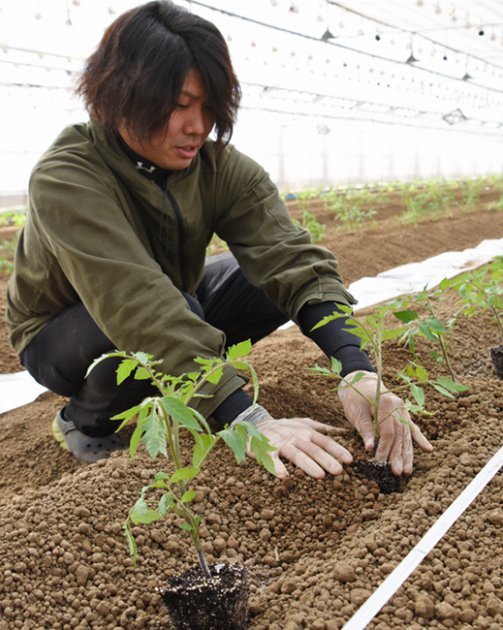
pixel 84 447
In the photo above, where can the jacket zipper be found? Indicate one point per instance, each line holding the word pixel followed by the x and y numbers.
pixel 181 237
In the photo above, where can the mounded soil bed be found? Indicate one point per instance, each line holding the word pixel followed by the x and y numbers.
pixel 315 550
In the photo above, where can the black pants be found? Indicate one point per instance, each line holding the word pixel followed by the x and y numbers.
pixel 60 355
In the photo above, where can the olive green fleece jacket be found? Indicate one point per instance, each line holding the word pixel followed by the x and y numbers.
pixel 99 232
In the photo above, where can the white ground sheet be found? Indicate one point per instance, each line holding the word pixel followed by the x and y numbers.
pixel 20 388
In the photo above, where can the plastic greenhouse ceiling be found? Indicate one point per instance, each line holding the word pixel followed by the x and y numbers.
pixel 422 63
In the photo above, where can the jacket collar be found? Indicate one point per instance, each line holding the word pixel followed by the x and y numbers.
pixel 110 146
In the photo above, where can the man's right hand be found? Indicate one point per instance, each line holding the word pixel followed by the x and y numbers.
pixel 304 442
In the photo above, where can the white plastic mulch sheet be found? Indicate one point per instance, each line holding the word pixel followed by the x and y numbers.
pixel 426 274
pixel 20 389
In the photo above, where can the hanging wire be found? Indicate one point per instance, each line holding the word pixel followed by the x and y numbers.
pixel 330 42
pixel 420 33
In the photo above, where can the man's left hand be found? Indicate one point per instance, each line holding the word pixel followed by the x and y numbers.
pixel 396 431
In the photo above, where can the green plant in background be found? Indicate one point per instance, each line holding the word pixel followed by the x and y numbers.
pixel 16 218
pixel 350 207
pixel 7 249
pixel 304 197
pixel 420 315
pixel 496 205
pixel 481 289
pixel 160 423
pixel 373 330
pixel 434 199
pixel 471 191
pixel 312 225
pixel 216 246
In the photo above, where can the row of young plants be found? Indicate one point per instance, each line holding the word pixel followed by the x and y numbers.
pixel 356 207
pixel 352 207
pixel 162 422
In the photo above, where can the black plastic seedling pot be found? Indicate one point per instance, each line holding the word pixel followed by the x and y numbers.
pixel 497 360
pixel 195 602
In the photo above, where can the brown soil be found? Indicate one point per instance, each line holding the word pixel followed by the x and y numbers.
pixel 316 550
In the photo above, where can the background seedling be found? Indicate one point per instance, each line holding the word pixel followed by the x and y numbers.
pixel 372 331
pixel 428 325
pixel 481 289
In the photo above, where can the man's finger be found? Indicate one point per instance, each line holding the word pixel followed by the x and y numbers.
pixel 420 440
pixel 322 427
pixel 303 461
pixel 396 452
pixel 319 455
pixel 386 440
pixel 280 470
pixel 332 447
pixel 361 420
pixel 408 452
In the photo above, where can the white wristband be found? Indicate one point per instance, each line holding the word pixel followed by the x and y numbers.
pixel 252 414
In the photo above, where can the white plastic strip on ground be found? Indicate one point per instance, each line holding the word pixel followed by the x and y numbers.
pixel 429 273
pixel 398 576
pixel 20 389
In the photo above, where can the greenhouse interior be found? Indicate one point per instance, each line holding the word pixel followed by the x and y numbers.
pixel 257 477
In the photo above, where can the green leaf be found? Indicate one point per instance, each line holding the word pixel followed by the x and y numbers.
pixel 214 377
pixel 186 526
pixel 406 316
pixel 103 357
pixel 239 350
pixel 202 420
pixel 124 370
pixel 240 365
pixel 321 371
pixel 183 474
pixel 418 394
pixel 451 385
pixel 393 333
pixel 131 542
pixel 203 444
pixel 261 448
pixel 155 435
pixel 159 482
pixel 188 496
pixel 142 374
pixel 180 412
pixel 135 440
pixel 236 439
pixel 141 513
pixel 335 365
pixel 355 379
pixel 166 503
pixel 329 318
pixel 127 414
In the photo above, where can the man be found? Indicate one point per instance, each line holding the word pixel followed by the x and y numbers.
pixel 113 251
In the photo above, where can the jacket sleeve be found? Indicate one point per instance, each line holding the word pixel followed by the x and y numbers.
pixel 85 240
pixel 274 254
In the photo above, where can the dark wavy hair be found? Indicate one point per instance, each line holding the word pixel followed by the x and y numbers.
pixel 136 73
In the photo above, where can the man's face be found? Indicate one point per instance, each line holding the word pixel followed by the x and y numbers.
pixel 175 146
